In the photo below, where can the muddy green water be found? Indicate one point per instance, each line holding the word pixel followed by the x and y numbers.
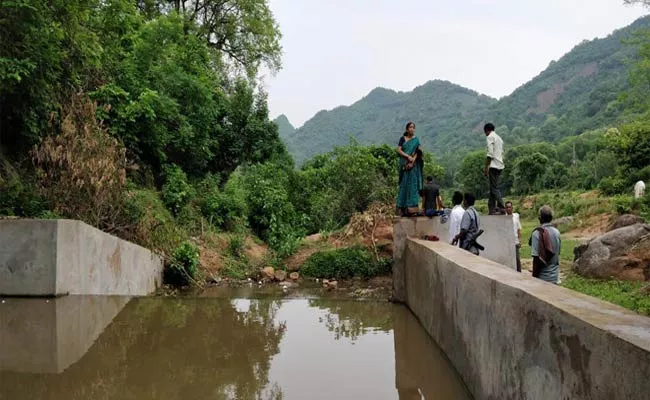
pixel 218 348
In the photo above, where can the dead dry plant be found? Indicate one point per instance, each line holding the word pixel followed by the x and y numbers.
pixel 364 224
pixel 81 167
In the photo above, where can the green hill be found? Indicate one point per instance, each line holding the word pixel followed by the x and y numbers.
pixel 441 111
pixel 575 93
pixel 285 129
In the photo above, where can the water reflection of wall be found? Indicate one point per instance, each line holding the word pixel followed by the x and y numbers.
pixel 422 370
pixel 48 335
pixel 167 349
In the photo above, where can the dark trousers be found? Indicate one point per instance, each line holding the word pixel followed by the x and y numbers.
pixel 517 247
pixel 495 199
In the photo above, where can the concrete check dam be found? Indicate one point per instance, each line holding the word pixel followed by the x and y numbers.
pixel 76 323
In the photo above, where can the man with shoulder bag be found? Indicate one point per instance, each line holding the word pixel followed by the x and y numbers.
pixel 469 227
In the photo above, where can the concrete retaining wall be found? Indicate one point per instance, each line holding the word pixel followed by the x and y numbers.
pixel 498 240
pixel 511 336
pixel 59 257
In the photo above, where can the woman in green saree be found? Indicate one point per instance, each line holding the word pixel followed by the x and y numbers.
pixel 410 172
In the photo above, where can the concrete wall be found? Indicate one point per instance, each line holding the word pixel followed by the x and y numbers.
pixel 59 257
pixel 49 335
pixel 511 336
pixel 497 238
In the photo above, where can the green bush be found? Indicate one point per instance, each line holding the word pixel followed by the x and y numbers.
pixel 236 246
pixel 612 185
pixel 227 208
pixel 623 204
pixel 176 192
pixel 19 197
pixel 183 265
pixel 344 264
pixel 272 216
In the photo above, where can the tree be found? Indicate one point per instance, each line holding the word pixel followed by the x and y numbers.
pixel 470 175
pixel 245 31
pixel 527 170
pixel 47 52
pixel 644 2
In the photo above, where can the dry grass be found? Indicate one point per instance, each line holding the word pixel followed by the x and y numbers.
pixel 82 168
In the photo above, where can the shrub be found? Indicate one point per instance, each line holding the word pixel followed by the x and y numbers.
pixel 226 209
pixel 236 246
pixel 344 264
pixel 612 185
pixel 183 265
pixel 19 197
pixel 623 204
pixel 176 192
pixel 149 222
pixel 272 215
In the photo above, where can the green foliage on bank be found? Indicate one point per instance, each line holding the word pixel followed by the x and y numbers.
pixel 344 264
pixel 623 293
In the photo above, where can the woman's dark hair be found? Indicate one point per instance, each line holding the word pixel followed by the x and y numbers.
pixel 408 125
pixel 470 199
pixel 457 198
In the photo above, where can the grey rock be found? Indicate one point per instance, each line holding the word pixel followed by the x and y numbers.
pixel 626 220
pixel 623 253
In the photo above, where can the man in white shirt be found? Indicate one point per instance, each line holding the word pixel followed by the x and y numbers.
pixel 517 228
pixel 493 168
pixel 456 215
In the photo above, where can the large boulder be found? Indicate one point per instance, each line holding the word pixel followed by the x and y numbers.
pixel 562 221
pixel 626 220
pixel 623 253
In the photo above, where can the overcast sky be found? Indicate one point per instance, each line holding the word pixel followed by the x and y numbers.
pixel 336 51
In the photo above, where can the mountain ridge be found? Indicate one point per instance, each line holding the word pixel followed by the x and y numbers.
pixel 575 93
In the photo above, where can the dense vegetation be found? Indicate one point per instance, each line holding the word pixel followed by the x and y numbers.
pixel 578 93
pixel 144 119
pixel 132 115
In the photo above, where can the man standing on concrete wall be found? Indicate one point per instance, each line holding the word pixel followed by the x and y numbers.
pixel 493 168
pixel 469 227
pixel 456 216
pixel 545 244
pixel 516 223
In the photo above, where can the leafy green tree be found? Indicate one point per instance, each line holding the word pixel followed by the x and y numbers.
pixel 244 31
pixel 527 171
pixel 47 52
pixel 470 175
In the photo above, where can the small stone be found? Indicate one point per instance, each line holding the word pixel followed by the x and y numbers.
pixel 294 276
pixel 334 284
pixel 268 272
pixel 280 275
pixel 326 281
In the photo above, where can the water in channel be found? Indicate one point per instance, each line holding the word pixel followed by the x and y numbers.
pixel 80 347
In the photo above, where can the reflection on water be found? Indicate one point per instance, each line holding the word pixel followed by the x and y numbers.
pixel 223 349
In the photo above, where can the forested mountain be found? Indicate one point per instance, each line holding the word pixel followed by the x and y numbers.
pixel 441 110
pixel 578 92
pixel 285 129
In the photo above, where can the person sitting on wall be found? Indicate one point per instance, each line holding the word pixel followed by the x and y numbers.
pixel 469 227
pixel 431 200
pixel 545 246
